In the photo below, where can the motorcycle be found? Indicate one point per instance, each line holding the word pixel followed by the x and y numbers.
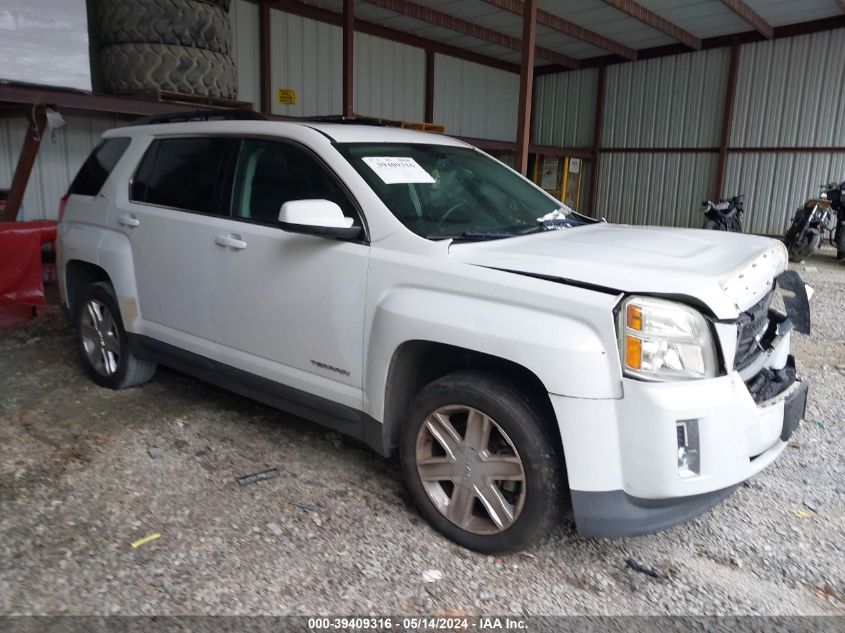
pixel 820 218
pixel 725 215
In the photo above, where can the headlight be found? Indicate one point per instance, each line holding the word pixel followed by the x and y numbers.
pixel 664 340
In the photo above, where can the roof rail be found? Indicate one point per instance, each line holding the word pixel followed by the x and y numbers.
pixel 201 115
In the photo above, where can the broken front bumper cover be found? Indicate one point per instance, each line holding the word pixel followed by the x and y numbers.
pixel 615 513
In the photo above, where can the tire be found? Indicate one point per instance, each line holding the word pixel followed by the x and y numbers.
pixel 518 435
pixel 801 250
pixel 132 68
pixel 223 4
pixel 179 22
pixel 125 370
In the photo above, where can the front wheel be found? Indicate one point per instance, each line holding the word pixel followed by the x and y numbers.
pixel 481 464
pixel 103 342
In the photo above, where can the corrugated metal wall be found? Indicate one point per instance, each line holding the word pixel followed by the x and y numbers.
pixel 307 57
pixel 790 92
pixel 244 19
pixel 794 100
pixel 474 100
pixel 389 79
pixel 58 159
pixel 659 189
pixel 775 185
pixel 666 102
pixel 564 108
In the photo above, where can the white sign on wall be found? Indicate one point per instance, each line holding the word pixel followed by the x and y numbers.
pixel 45 42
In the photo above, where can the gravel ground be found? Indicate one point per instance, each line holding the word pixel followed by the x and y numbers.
pixel 335 533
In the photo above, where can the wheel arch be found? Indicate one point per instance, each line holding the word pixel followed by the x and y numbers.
pixel 417 363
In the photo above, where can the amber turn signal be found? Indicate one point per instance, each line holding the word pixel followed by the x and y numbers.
pixel 633 352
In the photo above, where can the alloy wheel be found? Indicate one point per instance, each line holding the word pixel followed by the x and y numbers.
pixel 470 469
pixel 100 338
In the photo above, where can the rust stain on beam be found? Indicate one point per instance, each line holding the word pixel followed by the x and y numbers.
pixel 445 21
pixel 751 17
pixel 649 18
pixel 559 24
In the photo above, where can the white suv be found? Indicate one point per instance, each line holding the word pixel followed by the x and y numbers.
pixel 411 291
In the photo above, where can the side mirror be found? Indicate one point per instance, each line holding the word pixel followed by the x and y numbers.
pixel 317 217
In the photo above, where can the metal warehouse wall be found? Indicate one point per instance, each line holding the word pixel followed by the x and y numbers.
pixel 668 102
pixel 564 107
pixel 474 100
pixel 244 19
pixel 307 56
pixel 789 94
pixel 57 162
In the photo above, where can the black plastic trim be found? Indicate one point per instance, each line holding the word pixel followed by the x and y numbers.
pixel 615 513
pixel 337 417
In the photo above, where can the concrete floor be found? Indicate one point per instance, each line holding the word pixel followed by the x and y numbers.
pixel 335 532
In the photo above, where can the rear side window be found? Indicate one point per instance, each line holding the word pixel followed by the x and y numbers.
pixel 183 173
pixel 97 167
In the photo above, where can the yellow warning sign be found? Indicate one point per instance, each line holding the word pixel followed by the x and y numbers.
pixel 286 96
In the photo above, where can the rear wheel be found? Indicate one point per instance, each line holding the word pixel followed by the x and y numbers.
pixel 103 342
pixel 480 463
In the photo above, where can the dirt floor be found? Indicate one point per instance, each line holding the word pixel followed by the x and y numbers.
pixel 336 534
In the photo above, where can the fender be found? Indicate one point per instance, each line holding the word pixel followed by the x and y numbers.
pixel 115 257
pixel 571 354
pixel 111 251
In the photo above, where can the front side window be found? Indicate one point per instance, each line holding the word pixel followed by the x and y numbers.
pixel 97 167
pixel 270 173
pixel 182 173
pixel 440 191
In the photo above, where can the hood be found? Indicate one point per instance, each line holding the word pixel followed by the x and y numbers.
pixel 728 272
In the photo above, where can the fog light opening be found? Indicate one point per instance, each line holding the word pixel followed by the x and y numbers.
pixel 689 458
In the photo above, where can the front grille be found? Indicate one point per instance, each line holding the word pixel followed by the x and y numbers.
pixel 751 326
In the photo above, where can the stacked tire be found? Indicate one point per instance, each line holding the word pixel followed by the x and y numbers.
pixel 182 46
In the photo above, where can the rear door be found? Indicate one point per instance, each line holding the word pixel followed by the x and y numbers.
pixel 176 206
pixel 289 307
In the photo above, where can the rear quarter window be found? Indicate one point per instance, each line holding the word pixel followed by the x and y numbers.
pixel 97 167
pixel 182 173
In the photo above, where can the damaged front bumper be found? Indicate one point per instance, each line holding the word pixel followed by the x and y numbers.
pixel 669 451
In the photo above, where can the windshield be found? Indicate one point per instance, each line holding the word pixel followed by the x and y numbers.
pixel 439 191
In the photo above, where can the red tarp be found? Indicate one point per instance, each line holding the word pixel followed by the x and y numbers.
pixel 20 261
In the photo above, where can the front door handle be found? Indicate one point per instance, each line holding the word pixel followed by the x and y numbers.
pixel 230 241
pixel 128 220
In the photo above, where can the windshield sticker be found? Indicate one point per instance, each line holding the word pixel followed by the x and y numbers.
pixel 394 170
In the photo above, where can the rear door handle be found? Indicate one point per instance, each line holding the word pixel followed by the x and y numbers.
pixel 128 220
pixel 230 241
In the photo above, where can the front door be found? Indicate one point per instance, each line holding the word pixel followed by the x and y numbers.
pixel 285 306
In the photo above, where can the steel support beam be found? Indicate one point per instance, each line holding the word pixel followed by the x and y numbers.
pixel 429 85
pixel 526 84
pixel 571 29
pixel 598 126
pixel 445 21
pixel 348 56
pixel 751 17
pixel 265 58
pixel 727 119
pixel 377 30
pixel 26 160
pixel 640 13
